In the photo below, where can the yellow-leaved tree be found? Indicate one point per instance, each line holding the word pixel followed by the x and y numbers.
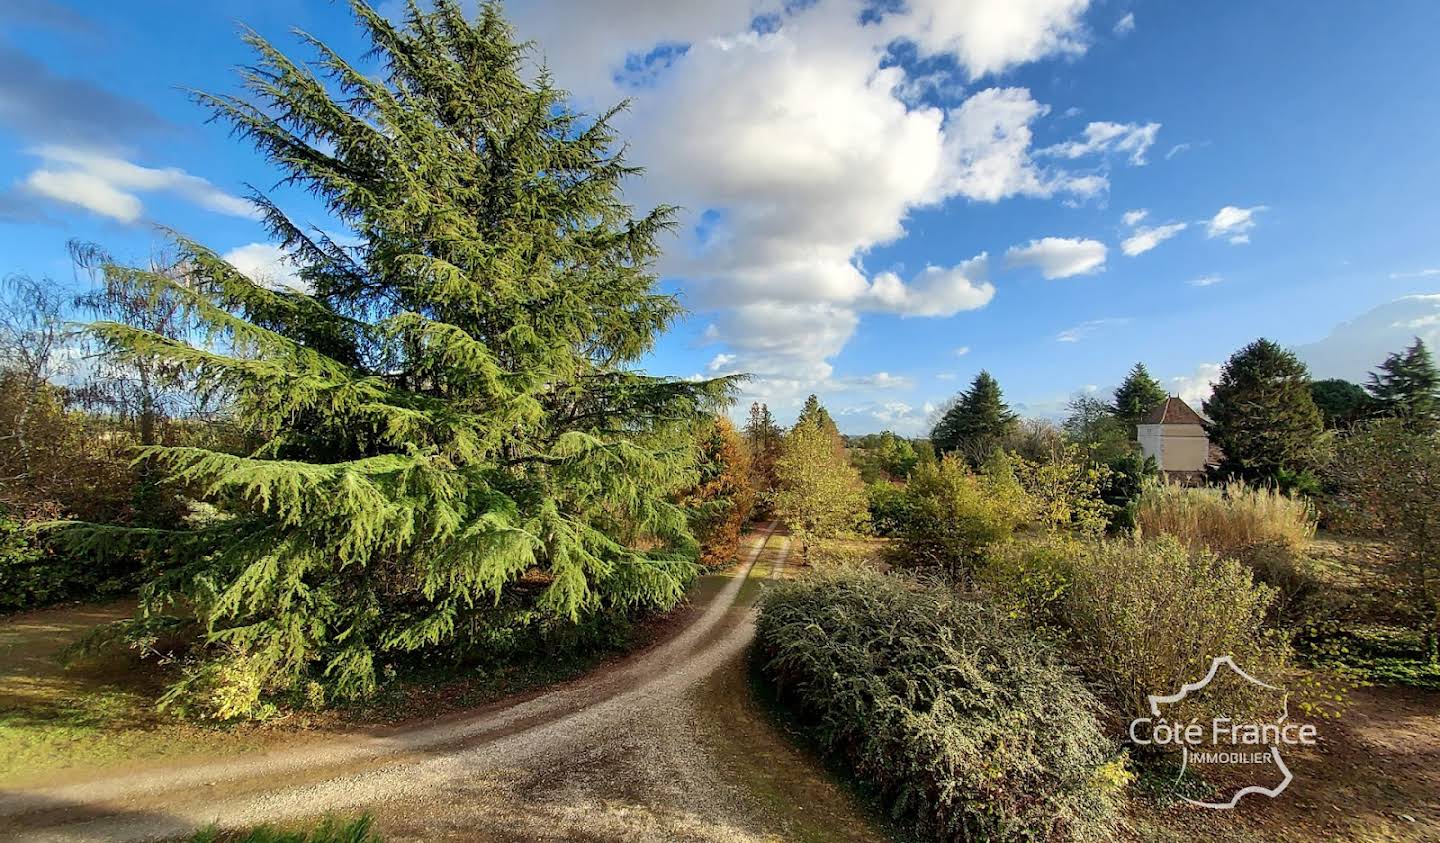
pixel 821 495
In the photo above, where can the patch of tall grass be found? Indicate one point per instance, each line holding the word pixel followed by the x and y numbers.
pixel 1230 520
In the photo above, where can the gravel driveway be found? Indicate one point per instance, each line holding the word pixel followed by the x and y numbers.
pixel 625 753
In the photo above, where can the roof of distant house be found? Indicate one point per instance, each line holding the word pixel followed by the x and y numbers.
pixel 1173 411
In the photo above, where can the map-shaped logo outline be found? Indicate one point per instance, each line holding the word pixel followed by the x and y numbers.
pixel 1156 700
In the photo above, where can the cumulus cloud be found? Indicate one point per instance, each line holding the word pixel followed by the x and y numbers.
pixel 1059 257
pixel 936 291
pixel 265 264
pixel 1205 281
pixel 1233 223
pixel 1135 217
pixel 962 351
pixel 1354 348
pixel 107 185
pixel 1133 139
pixel 1125 25
pixel 799 147
pixel 1145 238
pixel 1087 329
pixel 1195 388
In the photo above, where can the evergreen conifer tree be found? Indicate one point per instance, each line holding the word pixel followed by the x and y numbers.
pixel 1341 402
pixel 1408 386
pixel 976 423
pixel 1136 396
pixel 814 410
pixel 452 404
pixel 1262 415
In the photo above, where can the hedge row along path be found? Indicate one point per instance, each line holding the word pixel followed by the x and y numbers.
pixel 663 745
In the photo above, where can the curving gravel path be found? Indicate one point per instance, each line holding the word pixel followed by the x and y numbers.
pixel 616 755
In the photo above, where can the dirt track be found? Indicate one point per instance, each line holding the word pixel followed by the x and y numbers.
pixel 622 754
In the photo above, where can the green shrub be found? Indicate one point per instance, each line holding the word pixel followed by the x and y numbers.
pixel 1066 489
pixel 1146 616
pixel 965 724
pixel 328 831
pixel 33 573
pixel 952 516
pixel 887 507
pixel 1030 579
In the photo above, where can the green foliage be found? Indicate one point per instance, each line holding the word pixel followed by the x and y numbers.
pixel 453 406
pixel 34 573
pixel 1341 403
pixel 882 456
pixel 1147 616
pixel 1262 415
pixel 763 438
pixel 720 503
pixel 1387 477
pixel 1030 579
pixel 1136 396
pixel 330 830
pixel 1066 490
pixel 967 726
pixel 1093 425
pixel 887 507
pixel 814 411
pixel 976 423
pixel 1408 386
pixel 820 494
pixel 1127 477
pixel 952 516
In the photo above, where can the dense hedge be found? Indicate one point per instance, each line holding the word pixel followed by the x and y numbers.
pixel 964 724
pixel 35 574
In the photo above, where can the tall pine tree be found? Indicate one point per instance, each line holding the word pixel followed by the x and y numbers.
pixel 976 423
pixel 1136 396
pixel 1408 386
pixel 452 405
pixel 1262 415
pixel 762 440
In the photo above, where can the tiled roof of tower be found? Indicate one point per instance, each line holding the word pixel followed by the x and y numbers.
pixel 1173 411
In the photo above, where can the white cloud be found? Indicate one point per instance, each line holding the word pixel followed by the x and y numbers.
pixel 991 36
pixel 107 185
pixel 1195 387
pixel 1233 223
pixel 962 351
pixel 797 153
pixel 879 380
pixel 1135 217
pixel 946 376
pixel 265 264
pixel 1354 348
pixel 1177 149
pixel 1103 137
pixel 1205 281
pixel 86 190
pixel 1087 329
pixel 1125 25
pixel 1059 257
pixel 1421 273
pixel 871 416
pixel 1148 237
pixel 936 291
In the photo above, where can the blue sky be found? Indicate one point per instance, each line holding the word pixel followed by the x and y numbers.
pixel 867 193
